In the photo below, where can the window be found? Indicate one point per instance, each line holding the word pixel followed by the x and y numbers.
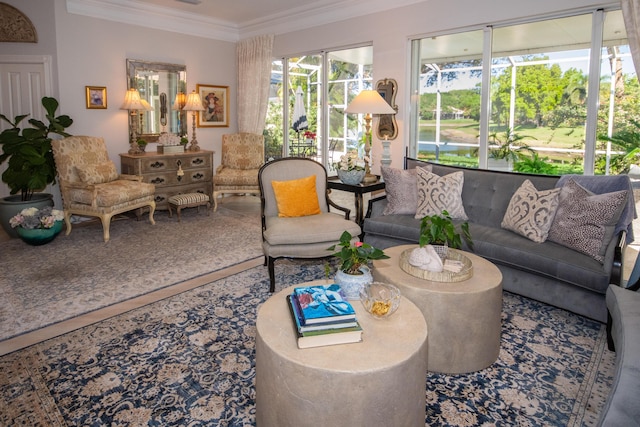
pixel 348 71
pixel 524 105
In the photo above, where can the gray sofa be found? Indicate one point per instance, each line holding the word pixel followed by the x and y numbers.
pixel 622 409
pixel 546 272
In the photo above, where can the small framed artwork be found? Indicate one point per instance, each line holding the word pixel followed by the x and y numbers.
pixel 215 100
pixel 96 97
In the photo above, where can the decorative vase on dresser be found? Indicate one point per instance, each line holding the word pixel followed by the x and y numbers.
pixel 179 173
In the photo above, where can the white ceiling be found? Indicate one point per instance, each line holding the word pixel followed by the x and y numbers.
pixel 231 20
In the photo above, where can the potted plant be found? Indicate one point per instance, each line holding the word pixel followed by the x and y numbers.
pixel 37 226
pixel 142 144
pixel 354 271
pixel 440 229
pixel 30 163
pixel 350 169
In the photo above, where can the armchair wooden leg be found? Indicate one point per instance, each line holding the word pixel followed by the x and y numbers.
pixel 67 221
pixel 106 223
pixel 152 209
pixel 272 275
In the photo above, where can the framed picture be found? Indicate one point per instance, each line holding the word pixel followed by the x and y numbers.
pixel 96 96
pixel 215 100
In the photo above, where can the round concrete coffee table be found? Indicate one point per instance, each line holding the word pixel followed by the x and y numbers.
pixel 463 317
pixel 379 381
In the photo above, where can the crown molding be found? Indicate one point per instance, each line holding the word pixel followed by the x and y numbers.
pixel 305 17
pixel 156 17
pixel 168 19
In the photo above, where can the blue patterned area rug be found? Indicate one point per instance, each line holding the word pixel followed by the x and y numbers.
pixel 189 360
pixel 80 273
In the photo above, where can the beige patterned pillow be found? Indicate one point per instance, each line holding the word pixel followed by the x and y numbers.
pixel 97 174
pixel 584 221
pixel 530 212
pixel 401 190
pixel 438 193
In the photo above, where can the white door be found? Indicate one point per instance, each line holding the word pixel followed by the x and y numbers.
pixel 24 80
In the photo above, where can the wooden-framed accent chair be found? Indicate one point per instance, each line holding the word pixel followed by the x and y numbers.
pixel 91 186
pixel 296 220
pixel 242 157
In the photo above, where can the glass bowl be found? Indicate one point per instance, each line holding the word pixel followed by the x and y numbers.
pixel 380 299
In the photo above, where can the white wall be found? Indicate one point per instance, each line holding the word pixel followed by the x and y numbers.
pixel 391 31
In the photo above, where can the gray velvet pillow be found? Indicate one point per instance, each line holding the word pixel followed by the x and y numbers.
pixel 401 190
pixel 438 193
pixel 585 221
pixel 530 212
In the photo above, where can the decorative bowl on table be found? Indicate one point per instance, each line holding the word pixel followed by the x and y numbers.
pixel 380 299
pixel 352 177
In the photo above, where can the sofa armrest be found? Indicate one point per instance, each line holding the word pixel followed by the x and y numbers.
pixel 127 177
pixel 376 206
pixel 618 259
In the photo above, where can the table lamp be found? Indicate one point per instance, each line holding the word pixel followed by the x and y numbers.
pixel 193 104
pixel 133 103
pixel 368 102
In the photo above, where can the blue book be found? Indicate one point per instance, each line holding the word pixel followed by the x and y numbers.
pixel 323 303
pixel 323 337
pixel 296 311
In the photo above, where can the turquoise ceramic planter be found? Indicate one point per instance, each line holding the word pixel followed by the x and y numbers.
pixel 39 236
pixel 12 205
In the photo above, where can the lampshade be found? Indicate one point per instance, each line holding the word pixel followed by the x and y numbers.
pixel 180 101
pixel 194 102
pixel 147 106
pixel 132 101
pixel 369 102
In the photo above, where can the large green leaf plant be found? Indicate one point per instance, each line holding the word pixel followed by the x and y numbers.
pixel 31 166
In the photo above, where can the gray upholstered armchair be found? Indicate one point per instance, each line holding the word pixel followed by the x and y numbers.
pixel 242 156
pixel 91 185
pixel 296 221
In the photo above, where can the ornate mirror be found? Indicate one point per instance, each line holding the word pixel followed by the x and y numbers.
pixel 387 125
pixel 159 84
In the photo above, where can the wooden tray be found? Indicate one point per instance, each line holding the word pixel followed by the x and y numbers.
pixel 442 276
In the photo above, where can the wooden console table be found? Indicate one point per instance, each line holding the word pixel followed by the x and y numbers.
pixel 162 170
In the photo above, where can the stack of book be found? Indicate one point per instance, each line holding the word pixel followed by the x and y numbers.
pixel 322 316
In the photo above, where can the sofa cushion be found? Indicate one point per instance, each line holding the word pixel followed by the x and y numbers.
pixel 547 259
pixel 438 193
pixel 585 221
pixel 530 212
pixel 296 197
pixel 97 173
pixel 401 190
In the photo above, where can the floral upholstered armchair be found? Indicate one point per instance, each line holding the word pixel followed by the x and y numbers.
pixel 91 186
pixel 242 157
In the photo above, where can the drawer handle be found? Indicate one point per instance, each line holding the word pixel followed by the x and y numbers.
pixel 157 164
pixel 159 199
pixel 157 180
pixel 197 161
pixel 198 176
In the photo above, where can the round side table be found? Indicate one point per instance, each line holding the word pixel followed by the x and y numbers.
pixel 379 381
pixel 463 317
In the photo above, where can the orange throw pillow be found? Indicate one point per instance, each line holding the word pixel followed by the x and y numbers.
pixel 297 197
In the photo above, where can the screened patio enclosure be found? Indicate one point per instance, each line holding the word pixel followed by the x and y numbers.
pixel 329 81
pixel 528 83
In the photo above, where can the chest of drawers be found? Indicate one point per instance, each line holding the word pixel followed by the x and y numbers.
pixel 162 170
